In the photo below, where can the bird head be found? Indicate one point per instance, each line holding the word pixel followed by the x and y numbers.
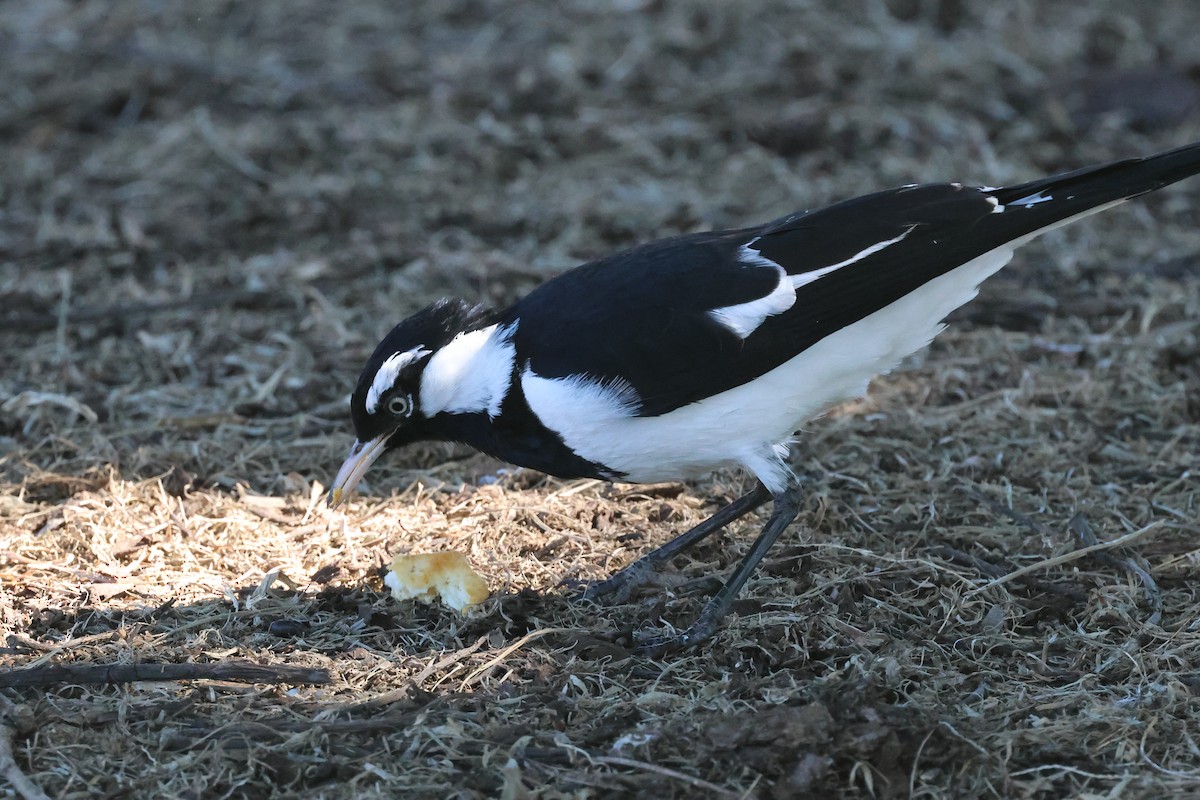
pixel 389 407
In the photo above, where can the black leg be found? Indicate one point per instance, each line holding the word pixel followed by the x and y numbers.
pixel 787 504
pixel 636 574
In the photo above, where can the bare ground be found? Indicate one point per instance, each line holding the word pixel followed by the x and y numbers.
pixel 211 212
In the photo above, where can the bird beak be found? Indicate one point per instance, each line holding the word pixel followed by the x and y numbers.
pixel 362 456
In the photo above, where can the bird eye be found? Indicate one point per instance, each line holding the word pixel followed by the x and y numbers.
pixel 400 405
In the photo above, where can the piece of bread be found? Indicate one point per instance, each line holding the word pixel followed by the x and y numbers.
pixel 428 576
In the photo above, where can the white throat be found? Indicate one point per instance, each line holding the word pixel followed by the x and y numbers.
pixel 471 374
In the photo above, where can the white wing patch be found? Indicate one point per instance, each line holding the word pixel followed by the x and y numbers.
pixel 1032 200
pixel 471 374
pixel 744 318
pixel 751 257
pixel 805 278
pixel 389 370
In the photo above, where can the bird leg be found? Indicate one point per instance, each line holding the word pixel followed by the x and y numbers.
pixel 786 506
pixel 639 572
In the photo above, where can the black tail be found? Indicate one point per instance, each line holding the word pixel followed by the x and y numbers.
pixel 963 219
pixel 1078 191
pixel 890 244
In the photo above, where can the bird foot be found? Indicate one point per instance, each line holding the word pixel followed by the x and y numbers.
pixel 660 644
pixel 620 587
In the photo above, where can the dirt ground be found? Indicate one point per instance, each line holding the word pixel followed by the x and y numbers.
pixel 209 214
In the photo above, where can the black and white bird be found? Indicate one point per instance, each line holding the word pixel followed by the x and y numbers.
pixel 711 350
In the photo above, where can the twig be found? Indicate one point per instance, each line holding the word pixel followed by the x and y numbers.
pixel 1001 508
pixel 991 570
pixel 238 671
pixel 1087 538
pixel 691 780
pixel 650 490
pixel 956 556
pixel 9 769
pixel 434 665
pixel 223 150
pixel 453 658
pixel 582 486
pixel 49 650
pixel 1074 555
pixel 61 647
pixel 193 736
pixel 512 648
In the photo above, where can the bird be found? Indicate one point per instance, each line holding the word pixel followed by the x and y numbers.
pixel 711 350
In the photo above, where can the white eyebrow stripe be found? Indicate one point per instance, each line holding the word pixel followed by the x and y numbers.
pixel 389 370
pixel 805 278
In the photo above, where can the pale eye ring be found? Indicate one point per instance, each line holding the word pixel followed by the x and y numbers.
pixel 400 405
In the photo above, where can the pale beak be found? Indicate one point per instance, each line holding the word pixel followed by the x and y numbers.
pixel 361 457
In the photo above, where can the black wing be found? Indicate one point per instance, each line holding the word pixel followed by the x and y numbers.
pixel 642 316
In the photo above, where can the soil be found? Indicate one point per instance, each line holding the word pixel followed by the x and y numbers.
pixel 209 215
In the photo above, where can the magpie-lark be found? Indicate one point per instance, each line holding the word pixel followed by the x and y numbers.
pixel 710 350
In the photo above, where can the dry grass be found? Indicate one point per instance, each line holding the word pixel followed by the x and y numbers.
pixel 209 217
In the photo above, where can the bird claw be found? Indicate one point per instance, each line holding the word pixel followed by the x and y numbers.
pixel 661 644
pixel 701 630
